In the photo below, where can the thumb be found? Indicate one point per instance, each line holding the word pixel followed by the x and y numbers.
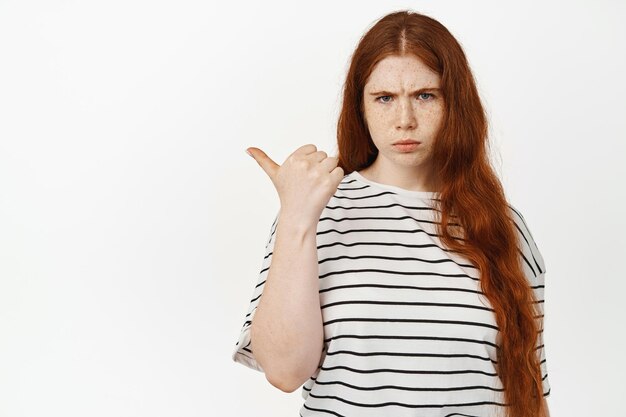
pixel 267 164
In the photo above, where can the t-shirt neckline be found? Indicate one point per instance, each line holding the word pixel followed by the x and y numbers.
pixel 409 193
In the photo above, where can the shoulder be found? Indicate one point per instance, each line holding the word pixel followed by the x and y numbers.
pixel 346 188
pixel 347 180
pixel 532 258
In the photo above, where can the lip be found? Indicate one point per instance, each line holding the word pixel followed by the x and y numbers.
pixel 406 147
pixel 405 142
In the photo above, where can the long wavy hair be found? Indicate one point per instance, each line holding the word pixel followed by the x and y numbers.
pixel 470 191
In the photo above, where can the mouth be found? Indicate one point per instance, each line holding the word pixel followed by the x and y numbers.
pixel 406 142
pixel 407 146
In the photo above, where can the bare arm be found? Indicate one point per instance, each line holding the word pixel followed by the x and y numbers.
pixel 287 330
pixel 287 333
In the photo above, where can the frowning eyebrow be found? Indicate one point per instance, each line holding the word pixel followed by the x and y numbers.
pixel 421 90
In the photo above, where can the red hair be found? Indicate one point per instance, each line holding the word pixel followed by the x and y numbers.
pixel 470 192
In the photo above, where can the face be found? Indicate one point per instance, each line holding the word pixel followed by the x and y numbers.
pixel 402 100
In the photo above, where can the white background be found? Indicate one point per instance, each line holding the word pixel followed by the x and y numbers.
pixel 132 223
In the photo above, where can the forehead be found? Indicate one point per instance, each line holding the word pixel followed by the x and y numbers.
pixel 402 72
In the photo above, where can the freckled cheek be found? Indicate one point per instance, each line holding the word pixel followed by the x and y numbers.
pixel 381 117
pixel 432 116
pixel 377 119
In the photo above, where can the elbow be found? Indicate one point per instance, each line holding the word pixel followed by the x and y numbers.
pixel 285 371
pixel 286 380
pixel 291 378
pixel 286 384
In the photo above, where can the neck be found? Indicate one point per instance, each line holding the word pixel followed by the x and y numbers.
pixel 411 178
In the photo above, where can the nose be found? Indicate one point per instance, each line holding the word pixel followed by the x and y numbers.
pixel 406 116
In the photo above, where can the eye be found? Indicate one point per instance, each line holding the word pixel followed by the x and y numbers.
pixel 383 101
pixel 428 94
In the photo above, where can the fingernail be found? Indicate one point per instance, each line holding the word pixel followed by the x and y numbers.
pixel 248 152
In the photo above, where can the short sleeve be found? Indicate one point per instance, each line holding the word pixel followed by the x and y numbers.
pixel 535 269
pixel 539 288
pixel 242 352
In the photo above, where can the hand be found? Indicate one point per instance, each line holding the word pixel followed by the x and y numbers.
pixel 305 182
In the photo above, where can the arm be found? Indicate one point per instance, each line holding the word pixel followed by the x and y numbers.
pixel 287 331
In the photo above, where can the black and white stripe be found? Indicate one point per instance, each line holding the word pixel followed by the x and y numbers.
pixel 407 329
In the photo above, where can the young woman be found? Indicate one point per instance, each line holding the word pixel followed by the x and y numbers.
pixel 398 280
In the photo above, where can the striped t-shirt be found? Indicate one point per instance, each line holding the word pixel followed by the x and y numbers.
pixel 407 331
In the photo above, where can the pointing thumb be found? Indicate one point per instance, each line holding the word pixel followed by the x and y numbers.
pixel 267 164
